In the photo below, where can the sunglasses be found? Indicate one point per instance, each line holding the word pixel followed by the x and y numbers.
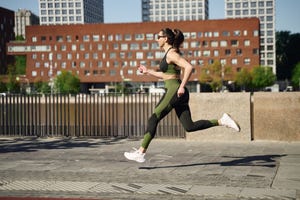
pixel 160 36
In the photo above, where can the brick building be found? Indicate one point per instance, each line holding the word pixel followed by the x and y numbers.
pixel 104 53
pixel 6 34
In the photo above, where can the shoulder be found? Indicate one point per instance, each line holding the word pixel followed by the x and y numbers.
pixel 173 56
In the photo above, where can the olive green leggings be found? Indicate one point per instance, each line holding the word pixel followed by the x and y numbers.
pixel 169 101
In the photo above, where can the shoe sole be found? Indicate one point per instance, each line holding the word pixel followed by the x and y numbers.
pixel 237 124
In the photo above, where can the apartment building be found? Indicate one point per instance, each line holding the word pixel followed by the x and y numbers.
pixel 6 35
pixel 265 11
pixel 106 53
pixel 174 10
pixel 54 12
pixel 24 18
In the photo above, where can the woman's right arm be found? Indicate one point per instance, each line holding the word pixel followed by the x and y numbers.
pixel 144 70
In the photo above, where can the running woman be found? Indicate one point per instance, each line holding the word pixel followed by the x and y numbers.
pixel 176 95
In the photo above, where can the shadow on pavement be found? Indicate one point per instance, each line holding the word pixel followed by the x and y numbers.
pixel 258 160
pixel 35 144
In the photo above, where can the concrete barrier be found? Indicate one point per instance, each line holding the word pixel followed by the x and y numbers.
pixel 276 116
pixel 212 106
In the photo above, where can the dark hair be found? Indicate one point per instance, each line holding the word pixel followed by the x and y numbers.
pixel 175 37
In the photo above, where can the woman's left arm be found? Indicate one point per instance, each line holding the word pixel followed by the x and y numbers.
pixel 185 65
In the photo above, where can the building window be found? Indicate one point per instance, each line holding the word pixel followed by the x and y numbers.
pixel 86 38
pixel 216 34
pixel 139 36
pixel 204 43
pixel 127 37
pixel 247 43
pixel 269 18
pixel 124 47
pixel 214 44
pixel 112 55
pixel 82 47
pixel 234 61
pixel 201 62
pixel 237 5
pixel 63 47
pixel 134 46
pixel 96 38
pixel 43 38
pixel 195 44
pixel 216 53
pixel 229 13
pixel 34 39
pixel 63 65
pixel 34 73
pixel 133 63
pixel 95 56
pixel 206 53
pixel 234 43
pixel 227 52
pixel 139 55
pixel 149 36
pixel 82 64
pixel 247 61
pixel 223 43
pixel 269 3
pixel 238 52
pixel 149 55
pixel 245 4
pixel 225 33
pixel 74 47
pixel 116 46
pixel 255 51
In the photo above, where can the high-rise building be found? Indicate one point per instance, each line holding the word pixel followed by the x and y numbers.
pixel 54 12
pixel 174 10
pixel 265 11
pixel 24 18
pixel 6 34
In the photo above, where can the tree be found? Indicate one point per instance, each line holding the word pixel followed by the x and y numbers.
pixel 42 87
pixel 2 86
pixel 214 74
pixel 244 79
pixel 296 76
pixel 20 61
pixel 67 83
pixel 287 56
pixel 262 77
pixel 12 84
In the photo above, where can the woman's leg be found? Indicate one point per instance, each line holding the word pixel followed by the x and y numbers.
pixel 183 112
pixel 184 115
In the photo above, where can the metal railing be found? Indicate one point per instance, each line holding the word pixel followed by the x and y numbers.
pixel 97 115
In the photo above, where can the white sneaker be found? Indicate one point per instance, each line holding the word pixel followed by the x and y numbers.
pixel 227 121
pixel 135 155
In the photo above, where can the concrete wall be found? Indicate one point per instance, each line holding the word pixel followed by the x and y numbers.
pixel 212 106
pixel 262 116
pixel 276 116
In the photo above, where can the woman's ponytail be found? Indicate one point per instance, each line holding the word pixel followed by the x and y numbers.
pixel 178 39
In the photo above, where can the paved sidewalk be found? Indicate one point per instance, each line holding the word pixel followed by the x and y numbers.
pixel 175 169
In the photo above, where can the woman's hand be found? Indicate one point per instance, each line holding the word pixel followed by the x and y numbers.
pixel 180 91
pixel 143 69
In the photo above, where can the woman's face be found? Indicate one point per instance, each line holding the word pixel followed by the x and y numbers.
pixel 161 38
